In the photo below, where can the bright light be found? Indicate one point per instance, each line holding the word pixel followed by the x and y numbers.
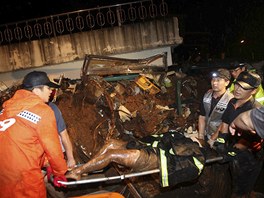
pixel 214 74
pixel 242 41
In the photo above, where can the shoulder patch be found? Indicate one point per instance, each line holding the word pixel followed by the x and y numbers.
pixel 32 117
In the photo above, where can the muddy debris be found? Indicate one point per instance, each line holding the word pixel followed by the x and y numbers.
pixel 99 110
pixel 95 110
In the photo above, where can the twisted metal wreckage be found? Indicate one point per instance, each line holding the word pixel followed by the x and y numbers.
pixel 117 98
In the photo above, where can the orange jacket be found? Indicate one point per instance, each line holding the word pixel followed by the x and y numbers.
pixel 28 135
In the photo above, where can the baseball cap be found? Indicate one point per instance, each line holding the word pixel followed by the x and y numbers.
pixel 37 78
pixel 236 64
pixel 248 80
pixel 221 73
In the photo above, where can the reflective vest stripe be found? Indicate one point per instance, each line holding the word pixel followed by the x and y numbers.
pixel 164 169
pixel 155 144
pixel 156 136
pixel 198 164
pixel 260 99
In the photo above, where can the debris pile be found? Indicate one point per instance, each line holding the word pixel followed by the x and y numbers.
pixel 99 110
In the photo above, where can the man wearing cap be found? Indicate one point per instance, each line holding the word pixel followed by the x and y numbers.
pixel 214 104
pixel 235 70
pixel 244 152
pixel 29 138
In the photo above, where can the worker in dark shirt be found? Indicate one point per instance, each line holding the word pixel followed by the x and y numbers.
pixel 236 69
pixel 245 163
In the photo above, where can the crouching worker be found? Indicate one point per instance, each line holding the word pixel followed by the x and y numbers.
pixel 178 158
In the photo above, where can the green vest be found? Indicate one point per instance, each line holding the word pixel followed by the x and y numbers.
pixel 259 96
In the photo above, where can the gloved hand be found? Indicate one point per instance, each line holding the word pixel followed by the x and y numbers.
pixel 59 178
pixel 224 149
pixel 54 179
pixel 220 144
pixel 229 155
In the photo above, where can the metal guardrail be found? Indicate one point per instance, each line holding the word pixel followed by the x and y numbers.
pixel 82 20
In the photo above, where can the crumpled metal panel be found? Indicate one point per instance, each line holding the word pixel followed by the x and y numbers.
pixel 105 65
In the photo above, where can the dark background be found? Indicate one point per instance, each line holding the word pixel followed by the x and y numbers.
pixel 213 26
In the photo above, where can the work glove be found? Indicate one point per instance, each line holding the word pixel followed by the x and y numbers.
pixel 228 155
pixel 225 150
pixel 220 143
pixel 55 179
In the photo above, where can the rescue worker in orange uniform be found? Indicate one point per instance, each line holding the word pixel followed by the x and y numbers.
pixel 28 139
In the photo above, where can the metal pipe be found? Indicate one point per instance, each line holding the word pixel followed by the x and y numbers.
pixel 121 77
pixel 178 97
pixel 215 159
pixel 94 180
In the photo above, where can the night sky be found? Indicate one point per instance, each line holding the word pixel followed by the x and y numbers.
pixel 13 10
pixel 208 10
pixel 227 21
